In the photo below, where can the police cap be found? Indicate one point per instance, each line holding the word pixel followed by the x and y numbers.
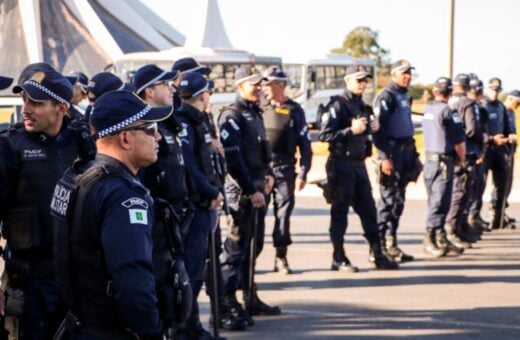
pixel 115 110
pixel 515 94
pixel 149 75
pixel 193 84
pixel 357 72
pixel 5 82
pixel 248 74
pixel 495 83
pixel 188 64
pixel 80 79
pixel 274 73
pixel 443 84
pixel 476 85
pixel 461 79
pixel 103 82
pixel 401 66
pixel 45 83
pixel 30 69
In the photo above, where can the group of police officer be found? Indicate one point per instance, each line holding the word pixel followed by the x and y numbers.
pixel 111 214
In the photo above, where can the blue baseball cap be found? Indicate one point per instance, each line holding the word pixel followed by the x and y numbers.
pixel 79 78
pixel 30 69
pixel 116 110
pixel 461 79
pixel 248 74
pixel 357 72
pixel 42 82
pixel 442 84
pixel 193 84
pixel 401 66
pixel 148 75
pixel 103 82
pixel 495 83
pixel 5 82
pixel 274 73
pixel 188 64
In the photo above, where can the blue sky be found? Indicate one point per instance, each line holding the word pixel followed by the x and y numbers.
pixel 486 31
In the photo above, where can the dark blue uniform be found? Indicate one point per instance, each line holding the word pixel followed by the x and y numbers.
pixel 197 152
pixel 394 141
pixel 248 156
pixel 286 130
pixel 442 129
pixel 30 166
pixel 470 116
pixel 347 175
pixel 112 289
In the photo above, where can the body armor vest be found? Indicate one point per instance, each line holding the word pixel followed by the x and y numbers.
pixel 496 118
pixel 435 139
pixel 354 147
pixel 400 123
pixel 280 132
pixel 256 149
pixel 28 229
pixel 461 104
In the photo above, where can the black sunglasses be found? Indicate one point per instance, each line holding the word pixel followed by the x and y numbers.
pixel 150 129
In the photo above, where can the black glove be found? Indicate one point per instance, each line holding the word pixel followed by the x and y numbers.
pixel 182 292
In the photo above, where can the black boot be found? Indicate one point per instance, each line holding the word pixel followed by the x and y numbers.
pixel 454 238
pixel 393 250
pixel 228 321
pixel 234 308
pixel 442 242
pixel 378 259
pixel 280 262
pixel 259 307
pixel 430 247
pixel 344 265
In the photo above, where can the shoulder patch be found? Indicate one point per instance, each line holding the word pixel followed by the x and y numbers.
pixel 138 216
pixel 135 201
pixel 384 105
pixel 224 134
pixel 234 124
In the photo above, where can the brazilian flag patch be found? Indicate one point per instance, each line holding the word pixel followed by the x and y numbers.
pixel 138 216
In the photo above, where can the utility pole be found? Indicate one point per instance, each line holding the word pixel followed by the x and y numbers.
pixel 452 38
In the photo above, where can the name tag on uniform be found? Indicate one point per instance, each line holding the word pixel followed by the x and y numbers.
pixel 405 103
pixel 493 115
pixel 34 155
pixel 281 111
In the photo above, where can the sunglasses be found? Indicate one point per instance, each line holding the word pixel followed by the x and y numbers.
pixel 168 83
pixel 150 129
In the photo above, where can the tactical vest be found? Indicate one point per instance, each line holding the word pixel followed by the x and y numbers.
pixel 354 147
pixel 496 118
pixel 207 157
pixel 435 138
pixel 255 148
pixel 167 178
pixel 399 124
pixel 28 228
pixel 81 270
pixel 279 127
pixel 461 104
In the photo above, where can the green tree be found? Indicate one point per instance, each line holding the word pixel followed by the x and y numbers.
pixel 362 42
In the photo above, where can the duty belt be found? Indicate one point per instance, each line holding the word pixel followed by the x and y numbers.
pixel 402 144
pixel 281 161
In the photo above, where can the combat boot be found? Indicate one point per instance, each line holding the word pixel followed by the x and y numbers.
pixel 442 242
pixel 430 247
pixel 228 321
pixel 395 252
pixel 234 308
pixel 454 238
pixel 379 260
pixel 281 264
pixel 344 266
pixel 259 307
pixel 467 233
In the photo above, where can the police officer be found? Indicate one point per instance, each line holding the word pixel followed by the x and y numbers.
pixel 33 157
pixel 445 146
pixel 475 221
pixel 511 103
pixel 107 235
pixel 201 162
pixel 396 151
pixel 185 65
pixel 346 127
pixel 248 156
pixel 80 89
pixel 286 130
pixel 495 158
pixel 456 221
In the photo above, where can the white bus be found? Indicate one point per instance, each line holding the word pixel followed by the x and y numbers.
pixel 222 62
pixel 313 82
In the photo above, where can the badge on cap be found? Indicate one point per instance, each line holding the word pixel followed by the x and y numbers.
pixel 38 76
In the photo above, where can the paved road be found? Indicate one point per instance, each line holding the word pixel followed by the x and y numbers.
pixel 476 295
